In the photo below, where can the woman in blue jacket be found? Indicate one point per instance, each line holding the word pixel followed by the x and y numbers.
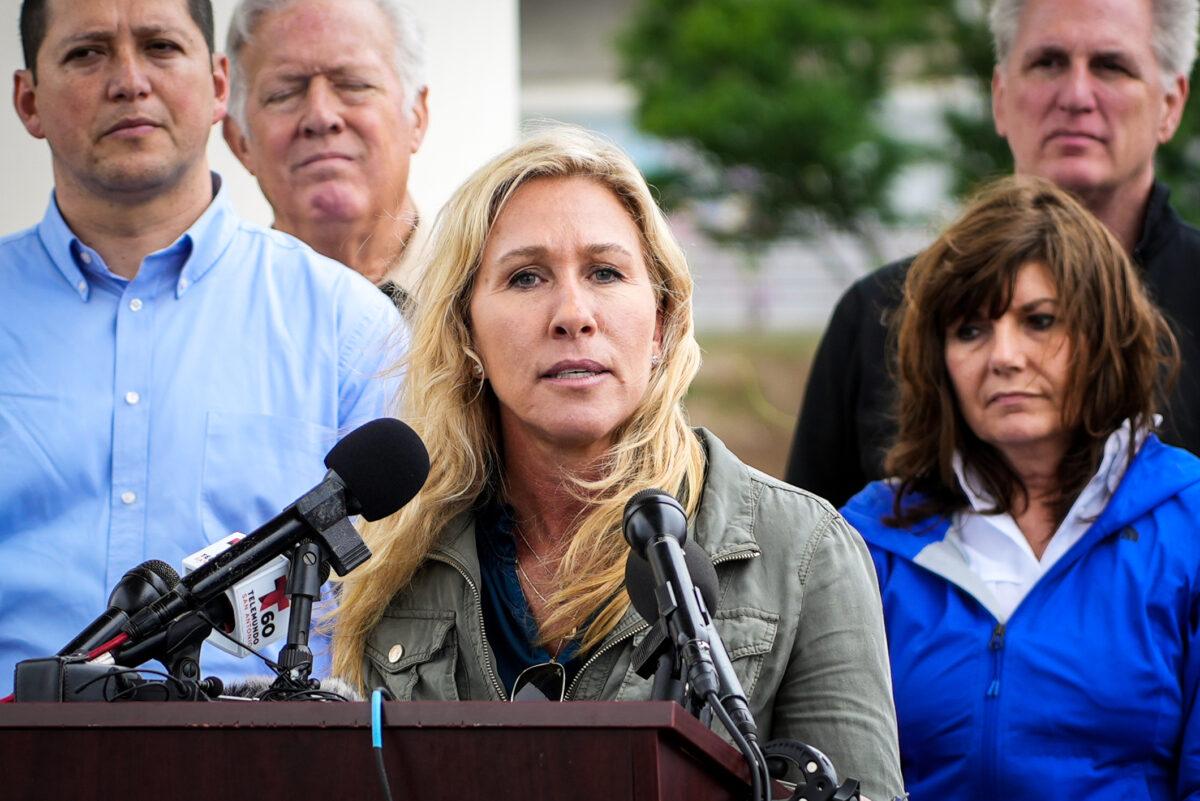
pixel 1038 548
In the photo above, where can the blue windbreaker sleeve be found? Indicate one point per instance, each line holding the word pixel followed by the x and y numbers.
pixel 1189 752
pixel 862 512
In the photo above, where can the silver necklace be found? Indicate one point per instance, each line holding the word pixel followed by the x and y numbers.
pixel 529 581
pixel 559 646
pixel 541 560
pixel 521 570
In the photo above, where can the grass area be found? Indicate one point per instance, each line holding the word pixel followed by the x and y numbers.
pixel 749 390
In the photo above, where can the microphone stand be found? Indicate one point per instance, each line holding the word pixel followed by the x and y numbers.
pixel 307 572
pixel 655 657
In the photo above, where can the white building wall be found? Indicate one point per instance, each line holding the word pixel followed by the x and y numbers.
pixel 474 83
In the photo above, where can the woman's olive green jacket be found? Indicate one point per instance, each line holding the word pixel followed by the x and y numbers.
pixel 799 614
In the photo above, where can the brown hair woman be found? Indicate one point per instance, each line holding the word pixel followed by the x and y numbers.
pixel 1037 545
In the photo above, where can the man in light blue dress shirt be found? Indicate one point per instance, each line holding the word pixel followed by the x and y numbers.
pixel 168 372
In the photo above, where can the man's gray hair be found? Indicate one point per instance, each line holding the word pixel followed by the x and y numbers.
pixel 408 59
pixel 1175 24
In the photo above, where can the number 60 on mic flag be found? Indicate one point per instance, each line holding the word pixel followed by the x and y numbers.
pixel 259 605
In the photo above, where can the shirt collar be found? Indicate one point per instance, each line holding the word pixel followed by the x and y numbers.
pixel 1093 497
pixel 1159 224
pixel 199 247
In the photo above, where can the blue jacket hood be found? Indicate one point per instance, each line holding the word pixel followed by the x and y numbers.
pixel 1159 473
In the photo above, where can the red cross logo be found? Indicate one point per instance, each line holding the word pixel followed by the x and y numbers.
pixel 276 597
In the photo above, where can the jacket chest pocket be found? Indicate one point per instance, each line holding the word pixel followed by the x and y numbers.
pixel 748 635
pixel 416 652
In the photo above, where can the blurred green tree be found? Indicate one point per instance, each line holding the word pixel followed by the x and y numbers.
pixel 964 49
pixel 778 102
pixel 779 99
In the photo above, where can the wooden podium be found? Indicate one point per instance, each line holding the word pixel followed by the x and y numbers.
pixel 574 751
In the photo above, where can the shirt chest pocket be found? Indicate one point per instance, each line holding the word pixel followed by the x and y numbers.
pixel 416 652
pixel 748 635
pixel 42 460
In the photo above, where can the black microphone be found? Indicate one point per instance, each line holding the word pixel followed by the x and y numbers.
pixel 640 581
pixel 656 656
pixel 137 589
pixel 656 529
pixel 373 471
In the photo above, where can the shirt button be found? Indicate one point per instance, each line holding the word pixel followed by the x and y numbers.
pixel 128 497
pixel 86 258
pixel 183 284
pixel 396 653
pixel 82 285
pixel 132 398
pixel 135 304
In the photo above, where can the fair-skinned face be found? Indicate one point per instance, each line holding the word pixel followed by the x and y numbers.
pixel 126 94
pixel 1081 98
pixel 1010 374
pixel 564 317
pixel 330 131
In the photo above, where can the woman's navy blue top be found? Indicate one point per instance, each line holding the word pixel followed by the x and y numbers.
pixel 511 628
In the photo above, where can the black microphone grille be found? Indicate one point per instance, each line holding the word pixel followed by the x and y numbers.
pixel 652 494
pixel 651 514
pixel 159 568
pixel 640 583
pixel 383 464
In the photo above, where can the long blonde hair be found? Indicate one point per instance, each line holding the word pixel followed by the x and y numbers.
pixel 456 416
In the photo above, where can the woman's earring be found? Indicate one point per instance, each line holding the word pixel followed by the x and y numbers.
pixel 655 360
pixel 477 370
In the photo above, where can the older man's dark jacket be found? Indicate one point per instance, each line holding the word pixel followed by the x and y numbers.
pixel 847 419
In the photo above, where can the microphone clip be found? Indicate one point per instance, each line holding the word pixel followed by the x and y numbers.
pixel 324 509
pixel 656 657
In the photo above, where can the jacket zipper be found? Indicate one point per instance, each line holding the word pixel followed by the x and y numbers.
pixel 487 659
pixel 996 644
pixel 736 556
pixel 746 553
pixel 608 646
pixel 991 708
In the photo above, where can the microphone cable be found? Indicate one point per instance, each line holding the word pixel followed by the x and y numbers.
pixel 291 690
pixel 760 778
pixel 377 737
pixel 180 685
pixel 111 645
pixel 274 666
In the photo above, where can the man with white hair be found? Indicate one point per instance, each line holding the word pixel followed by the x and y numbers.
pixel 328 105
pixel 1084 92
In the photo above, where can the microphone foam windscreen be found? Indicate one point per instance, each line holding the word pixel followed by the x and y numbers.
pixel 383 464
pixel 639 581
pixel 161 569
pixel 248 687
pixel 333 684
